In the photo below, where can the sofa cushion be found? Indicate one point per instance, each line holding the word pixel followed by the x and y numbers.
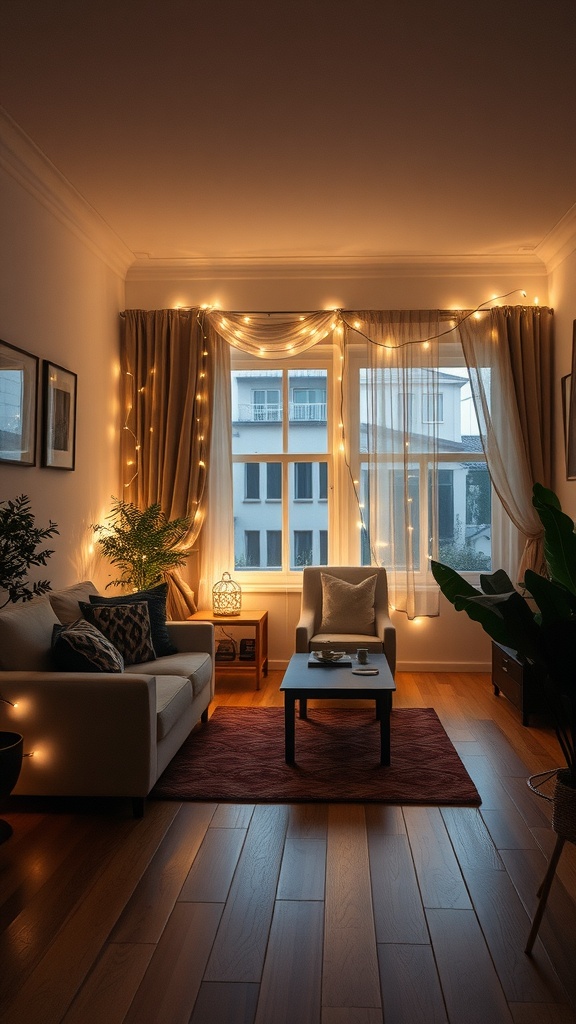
pixel 66 603
pixel 127 626
pixel 155 598
pixel 26 635
pixel 347 607
pixel 196 667
pixel 80 647
pixel 173 698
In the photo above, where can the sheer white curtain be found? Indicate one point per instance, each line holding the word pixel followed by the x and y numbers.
pixel 399 446
pixel 509 355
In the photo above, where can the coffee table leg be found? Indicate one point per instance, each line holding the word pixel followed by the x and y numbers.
pixel 383 708
pixel 289 727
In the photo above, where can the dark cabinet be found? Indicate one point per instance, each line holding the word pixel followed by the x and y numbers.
pixel 517 680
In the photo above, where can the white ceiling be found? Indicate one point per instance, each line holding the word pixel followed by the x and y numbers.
pixel 303 128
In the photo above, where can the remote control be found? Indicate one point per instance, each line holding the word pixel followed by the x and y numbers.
pixel 365 671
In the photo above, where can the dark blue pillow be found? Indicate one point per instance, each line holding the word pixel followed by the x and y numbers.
pixel 156 601
pixel 81 647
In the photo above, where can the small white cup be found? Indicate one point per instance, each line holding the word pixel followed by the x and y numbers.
pixel 362 655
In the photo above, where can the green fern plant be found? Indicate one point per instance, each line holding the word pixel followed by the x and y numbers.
pixel 19 538
pixel 142 543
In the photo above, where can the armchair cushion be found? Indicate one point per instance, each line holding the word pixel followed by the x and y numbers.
pixel 127 627
pixel 155 598
pixel 26 635
pixel 347 607
pixel 80 647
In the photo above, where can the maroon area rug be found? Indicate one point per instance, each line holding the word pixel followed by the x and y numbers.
pixel 238 756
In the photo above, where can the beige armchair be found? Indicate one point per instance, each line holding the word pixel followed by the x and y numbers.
pixel 360 615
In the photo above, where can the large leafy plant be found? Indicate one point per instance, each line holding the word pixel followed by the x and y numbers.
pixel 19 538
pixel 142 543
pixel 546 637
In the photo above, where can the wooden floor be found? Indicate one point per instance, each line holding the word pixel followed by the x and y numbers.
pixel 315 914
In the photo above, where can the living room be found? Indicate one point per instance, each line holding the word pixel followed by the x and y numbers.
pixel 68 273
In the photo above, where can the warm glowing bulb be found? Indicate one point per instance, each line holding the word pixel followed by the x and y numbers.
pixel 536 300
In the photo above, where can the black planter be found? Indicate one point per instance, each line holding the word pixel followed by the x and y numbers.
pixel 11 746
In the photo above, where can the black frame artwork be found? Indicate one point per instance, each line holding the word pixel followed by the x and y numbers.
pixel 569 404
pixel 59 419
pixel 18 405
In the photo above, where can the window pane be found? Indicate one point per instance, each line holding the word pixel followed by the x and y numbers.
pixel 269 515
pixel 274 481
pixel 274 548
pixel 256 399
pixel 465 517
pixel 303 481
pixel 251 481
pixel 308 520
pixel 307 427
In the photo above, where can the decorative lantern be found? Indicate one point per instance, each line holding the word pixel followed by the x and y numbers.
pixel 226 596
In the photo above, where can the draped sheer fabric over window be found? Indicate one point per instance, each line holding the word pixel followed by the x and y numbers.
pixel 176 373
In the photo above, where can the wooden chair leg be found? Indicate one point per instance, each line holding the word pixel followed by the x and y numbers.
pixel 543 892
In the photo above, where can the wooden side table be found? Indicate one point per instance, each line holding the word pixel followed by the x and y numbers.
pixel 259 621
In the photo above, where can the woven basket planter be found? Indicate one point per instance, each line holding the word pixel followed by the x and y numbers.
pixel 564 807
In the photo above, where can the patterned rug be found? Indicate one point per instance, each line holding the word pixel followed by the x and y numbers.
pixel 238 756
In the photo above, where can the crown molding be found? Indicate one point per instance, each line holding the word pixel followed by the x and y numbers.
pixel 333 268
pixel 32 169
pixel 560 242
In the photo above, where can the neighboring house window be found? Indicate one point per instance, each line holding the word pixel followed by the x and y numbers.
pixel 323 481
pixel 252 481
pixel 273 481
pixel 266 404
pixel 432 407
pixel 302 554
pixel 274 548
pixel 323 556
pixel 252 548
pixel 303 481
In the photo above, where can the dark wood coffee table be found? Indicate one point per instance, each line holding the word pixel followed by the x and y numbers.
pixel 334 682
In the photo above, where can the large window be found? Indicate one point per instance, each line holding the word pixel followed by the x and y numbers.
pixel 287 456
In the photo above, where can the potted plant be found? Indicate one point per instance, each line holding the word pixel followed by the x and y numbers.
pixel 544 637
pixel 19 538
pixel 142 543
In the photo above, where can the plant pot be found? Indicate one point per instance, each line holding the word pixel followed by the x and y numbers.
pixel 564 807
pixel 11 747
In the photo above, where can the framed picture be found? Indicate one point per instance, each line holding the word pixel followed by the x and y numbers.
pixel 18 404
pixel 59 421
pixel 569 402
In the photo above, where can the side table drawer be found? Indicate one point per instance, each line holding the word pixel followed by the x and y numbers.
pixel 516 680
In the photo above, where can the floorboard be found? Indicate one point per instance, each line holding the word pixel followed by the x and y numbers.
pixel 308 913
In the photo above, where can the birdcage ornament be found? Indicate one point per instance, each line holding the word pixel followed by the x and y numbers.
pixel 226 596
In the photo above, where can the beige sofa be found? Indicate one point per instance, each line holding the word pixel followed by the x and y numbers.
pixel 98 733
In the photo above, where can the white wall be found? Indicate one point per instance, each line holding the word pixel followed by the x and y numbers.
pixel 563 299
pixel 60 301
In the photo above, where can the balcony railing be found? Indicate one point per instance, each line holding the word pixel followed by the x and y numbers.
pixel 298 412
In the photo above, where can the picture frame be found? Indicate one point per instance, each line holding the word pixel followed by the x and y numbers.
pixel 18 405
pixel 59 417
pixel 569 401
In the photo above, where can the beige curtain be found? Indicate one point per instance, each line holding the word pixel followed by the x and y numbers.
pixel 166 364
pixel 509 354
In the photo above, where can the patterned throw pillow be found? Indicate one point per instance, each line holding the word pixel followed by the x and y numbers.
pixel 347 607
pixel 127 626
pixel 155 598
pixel 80 647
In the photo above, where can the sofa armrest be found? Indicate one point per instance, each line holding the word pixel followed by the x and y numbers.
pixel 192 636
pixel 89 733
pixel 305 630
pixel 386 630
